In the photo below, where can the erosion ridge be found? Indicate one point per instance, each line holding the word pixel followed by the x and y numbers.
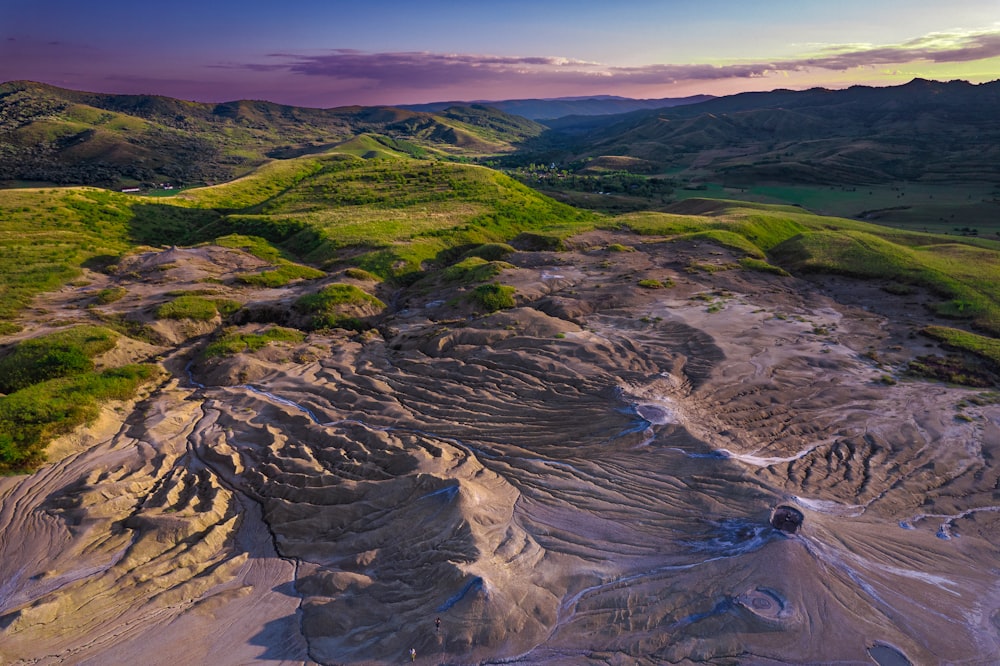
pixel 586 476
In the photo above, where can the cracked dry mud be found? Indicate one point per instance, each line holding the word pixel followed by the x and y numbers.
pixel 586 478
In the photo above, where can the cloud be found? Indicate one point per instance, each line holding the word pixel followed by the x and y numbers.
pixel 940 47
pixel 421 69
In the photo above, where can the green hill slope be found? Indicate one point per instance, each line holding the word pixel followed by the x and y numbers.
pixel 59 136
pixel 963 274
pixel 388 215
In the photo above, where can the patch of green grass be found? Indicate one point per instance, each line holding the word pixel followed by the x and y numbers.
pixel 235 343
pixel 285 271
pixel 706 267
pixel 31 417
pixel 980 345
pixel 255 245
pixel 110 295
pixel 753 264
pixel 474 269
pixel 361 274
pixel 280 276
pixel 650 283
pixel 618 247
pixel 197 308
pixel 60 354
pixel 493 297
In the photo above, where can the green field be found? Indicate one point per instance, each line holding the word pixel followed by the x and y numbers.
pixel 958 210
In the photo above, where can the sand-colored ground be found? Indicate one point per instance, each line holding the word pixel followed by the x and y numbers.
pixel 587 478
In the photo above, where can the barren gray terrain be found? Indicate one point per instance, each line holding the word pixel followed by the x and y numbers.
pixel 586 478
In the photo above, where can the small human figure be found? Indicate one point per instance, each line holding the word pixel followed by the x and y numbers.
pixel 413 654
pixel 437 624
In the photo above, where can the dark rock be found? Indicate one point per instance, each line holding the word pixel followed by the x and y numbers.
pixel 786 519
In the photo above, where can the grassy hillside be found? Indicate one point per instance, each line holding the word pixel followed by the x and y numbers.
pixel 58 136
pixel 963 274
pixel 925 130
pixel 387 215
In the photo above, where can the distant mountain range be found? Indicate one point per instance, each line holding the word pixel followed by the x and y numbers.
pixel 542 109
pixel 923 130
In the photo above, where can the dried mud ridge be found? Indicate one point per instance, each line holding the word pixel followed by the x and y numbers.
pixel 591 477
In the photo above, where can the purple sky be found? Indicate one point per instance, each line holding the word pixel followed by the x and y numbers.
pixel 333 53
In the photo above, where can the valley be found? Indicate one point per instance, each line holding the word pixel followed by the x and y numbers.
pixel 299 416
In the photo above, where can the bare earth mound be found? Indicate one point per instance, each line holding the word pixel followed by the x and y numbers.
pixel 587 478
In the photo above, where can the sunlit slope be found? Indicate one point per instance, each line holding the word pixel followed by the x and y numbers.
pixel 392 214
pixel 963 273
pixel 54 135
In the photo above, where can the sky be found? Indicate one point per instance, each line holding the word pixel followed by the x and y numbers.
pixel 327 53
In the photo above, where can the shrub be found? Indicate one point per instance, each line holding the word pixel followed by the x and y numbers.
pixel 650 283
pixel 493 297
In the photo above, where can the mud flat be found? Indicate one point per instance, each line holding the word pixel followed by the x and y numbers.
pixel 589 477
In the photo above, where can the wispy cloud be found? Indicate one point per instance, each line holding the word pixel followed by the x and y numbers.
pixel 410 70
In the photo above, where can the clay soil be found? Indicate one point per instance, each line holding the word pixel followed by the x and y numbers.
pixel 585 478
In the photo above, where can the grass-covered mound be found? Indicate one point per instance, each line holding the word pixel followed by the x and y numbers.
pixel 339 306
pixel 197 308
pixel 494 296
pixel 235 342
pixel 390 217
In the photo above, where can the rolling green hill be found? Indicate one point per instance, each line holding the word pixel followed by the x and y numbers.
pixel 388 215
pixel 56 136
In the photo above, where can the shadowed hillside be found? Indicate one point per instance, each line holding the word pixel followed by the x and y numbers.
pixel 923 131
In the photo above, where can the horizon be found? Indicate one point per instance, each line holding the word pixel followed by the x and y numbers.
pixel 392 53
pixel 498 100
